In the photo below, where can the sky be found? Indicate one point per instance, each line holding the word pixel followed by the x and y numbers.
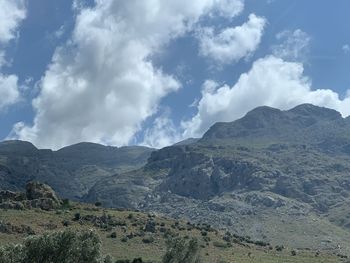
pixel 157 72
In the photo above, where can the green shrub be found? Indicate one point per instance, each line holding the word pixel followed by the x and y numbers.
pixel 279 247
pixel 108 259
pixel 148 240
pixel 222 244
pixel 77 217
pixel 58 247
pixel 12 254
pixel 66 204
pixel 179 250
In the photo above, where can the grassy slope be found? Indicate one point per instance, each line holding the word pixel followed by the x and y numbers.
pixel 135 247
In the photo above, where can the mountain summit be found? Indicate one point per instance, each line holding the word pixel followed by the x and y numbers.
pixel 305 123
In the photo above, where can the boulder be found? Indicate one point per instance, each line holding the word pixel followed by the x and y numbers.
pixel 6 196
pixel 43 203
pixel 36 190
pixel 37 195
pixel 16 205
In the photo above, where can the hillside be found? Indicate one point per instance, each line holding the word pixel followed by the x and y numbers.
pixel 132 234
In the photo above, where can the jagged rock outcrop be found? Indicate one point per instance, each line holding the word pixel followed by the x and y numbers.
pixel 37 195
pixel 36 190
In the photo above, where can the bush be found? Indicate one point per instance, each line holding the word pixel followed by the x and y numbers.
pixel 130 216
pixel 148 240
pixel 57 247
pixel 66 223
pixel 179 250
pixel 222 244
pixel 108 259
pixel 66 204
pixel 279 247
pixel 77 217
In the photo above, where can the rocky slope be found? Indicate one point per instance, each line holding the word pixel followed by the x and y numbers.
pixel 274 175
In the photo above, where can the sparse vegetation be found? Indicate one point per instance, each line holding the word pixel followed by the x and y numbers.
pixel 127 241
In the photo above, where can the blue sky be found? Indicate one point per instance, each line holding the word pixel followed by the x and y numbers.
pixel 121 72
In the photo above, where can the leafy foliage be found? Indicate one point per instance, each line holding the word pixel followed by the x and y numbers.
pixel 58 247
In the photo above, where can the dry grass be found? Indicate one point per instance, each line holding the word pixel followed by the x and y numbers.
pixel 41 221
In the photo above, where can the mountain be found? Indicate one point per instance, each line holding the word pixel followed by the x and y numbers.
pixel 71 171
pixel 273 175
pixel 277 176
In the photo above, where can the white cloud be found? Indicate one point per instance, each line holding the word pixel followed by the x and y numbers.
pixel 162 133
pixel 232 43
pixel 346 48
pixel 9 92
pixel 294 45
pixel 272 82
pixel 101 85
pixel 12 12
pixel 229 8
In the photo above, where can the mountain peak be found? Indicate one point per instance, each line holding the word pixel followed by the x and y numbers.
pixel 267 122
pixel 310 110
pixel 264 110
pixel 83 146
pixel 17 146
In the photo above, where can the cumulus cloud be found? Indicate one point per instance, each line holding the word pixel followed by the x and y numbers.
pixel 271 81
pixel 9 92
pixel 162 133
pixel 12 12
pixel 101 85
pixel 294 45
pixel 232 43
pixel 229 8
